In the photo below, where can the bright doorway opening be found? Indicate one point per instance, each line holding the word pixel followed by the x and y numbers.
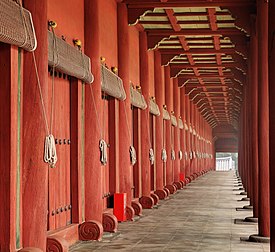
pixel 226 161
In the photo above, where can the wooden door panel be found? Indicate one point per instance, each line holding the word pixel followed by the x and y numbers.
pixel 151 135
pixel 164 146
pixel 59 177
pixel 105 169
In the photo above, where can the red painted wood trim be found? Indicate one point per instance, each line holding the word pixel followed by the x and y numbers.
pixel 76 150
pixel 159 94
pixel 169 104
pixel 176 95
pixel 126 175
pixel 8 145
pixel 145 141
pixel 35 171
pixel 271 73
pixel 93 173
pixel 264 207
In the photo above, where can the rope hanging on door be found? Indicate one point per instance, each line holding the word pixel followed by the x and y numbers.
pixel 180 155
pixel 133 155
pixel 151 150
pixel 50 156
pixel 173 123
pixel 102 143
pixel 185 140
pixel 151 156
pixel 163 155
pixel 163 151
pixel 132 150
pixel 103 151
pixel 180 124
pixel 173 155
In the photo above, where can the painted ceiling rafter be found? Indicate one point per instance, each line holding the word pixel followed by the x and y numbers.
pixel 140 7
pixel 205 44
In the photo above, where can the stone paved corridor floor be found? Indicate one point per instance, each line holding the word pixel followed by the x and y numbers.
pixel 198 218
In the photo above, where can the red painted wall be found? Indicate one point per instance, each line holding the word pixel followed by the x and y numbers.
pixel 134 58
pixel 108 31
pixel 151 73
pixel 69 16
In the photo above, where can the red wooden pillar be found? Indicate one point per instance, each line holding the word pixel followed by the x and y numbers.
pixel 263 94
pixel 188 139
pixel 92 228
pixel 125 113
pixel 249 141
pixel 192 147
pixel 169 104
pixel 8 145
pixel 246 136
pixel 248 145
pixel 159 93
pixel 241 148
pixel 245 125
pixel 272 122
pixel 199 143
pixel 146 200
pixel 204 126
pixel 254 116
pixel 183 132
pixel 176 94
pixel 196 124
pixel 35 171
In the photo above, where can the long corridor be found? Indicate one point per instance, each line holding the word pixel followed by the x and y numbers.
pixel 198 218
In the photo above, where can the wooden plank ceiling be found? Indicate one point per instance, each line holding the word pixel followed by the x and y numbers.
pixel 205 44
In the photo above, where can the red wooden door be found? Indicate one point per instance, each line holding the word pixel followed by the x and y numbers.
pixel 152 141
pixel 105 169
pixel 135 143
pixel 173 149
pixel 164 147
pixel 59 180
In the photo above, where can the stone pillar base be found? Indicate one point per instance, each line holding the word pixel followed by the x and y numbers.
pixel 130 213
pixel 245 199
pixel 243 193
pixel 250 207
pixel 259 239
pixel 137 208
pixel 162 194
pixel 109 222
pixel 172 189
pixel 178 185
pixel 57 244
pixel 251 219
pixel 192 177
pixel 187 180
pixel 182 184
pixel 155 198
pixel 90 230
pixel 147 202
pixel 167 191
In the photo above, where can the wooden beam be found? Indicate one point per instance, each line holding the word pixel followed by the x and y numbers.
pixel 173 20
pixel 133 4
pixel 183 22
pixel 190 32
pixel 205 65
pixel 206 76
pixel 198 51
